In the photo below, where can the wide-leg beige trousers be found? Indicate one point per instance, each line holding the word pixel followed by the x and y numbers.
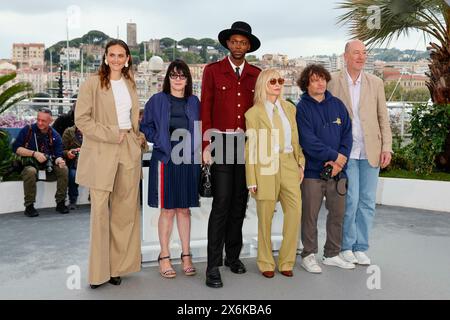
pixel 115 240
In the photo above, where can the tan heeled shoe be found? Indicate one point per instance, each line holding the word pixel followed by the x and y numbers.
pixel 168 273
pixel 188 271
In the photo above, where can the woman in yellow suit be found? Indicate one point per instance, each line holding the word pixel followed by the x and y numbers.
pixel 274 170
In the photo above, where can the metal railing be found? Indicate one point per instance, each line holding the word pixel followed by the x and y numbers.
pixel 27 109
pixel 399 111
pixel 399 116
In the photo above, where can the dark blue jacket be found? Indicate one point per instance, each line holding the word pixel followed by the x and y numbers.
pixel 325 130
pixel 156 126
pixel 21 137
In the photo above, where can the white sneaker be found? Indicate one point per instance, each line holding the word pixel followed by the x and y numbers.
pixel 348 256
pixel 337 261
pixel 310 264
pixel 362 258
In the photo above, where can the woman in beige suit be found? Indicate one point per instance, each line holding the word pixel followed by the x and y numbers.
pixel 110 165
pixel 274 170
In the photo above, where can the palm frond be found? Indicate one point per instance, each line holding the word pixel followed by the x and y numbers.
pixel 397 18
pixel 7 77
pixel 10 95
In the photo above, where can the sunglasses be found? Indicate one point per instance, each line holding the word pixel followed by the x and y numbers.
pixel 273 81
pixel 45 110
pixel 173 76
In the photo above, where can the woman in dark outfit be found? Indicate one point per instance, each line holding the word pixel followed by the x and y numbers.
pixel 169 123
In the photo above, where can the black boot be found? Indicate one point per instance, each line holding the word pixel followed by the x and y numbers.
pixel 30 211
pixel 61 208
pixel 115 281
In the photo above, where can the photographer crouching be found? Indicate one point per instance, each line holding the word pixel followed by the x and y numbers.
pixel 72 140
pixel 40 147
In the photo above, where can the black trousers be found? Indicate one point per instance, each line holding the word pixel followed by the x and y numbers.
pixel 230 195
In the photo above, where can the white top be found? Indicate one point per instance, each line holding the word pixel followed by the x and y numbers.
pixel 123 102
pixel 286 126
pixel 241 67
pixel 358 148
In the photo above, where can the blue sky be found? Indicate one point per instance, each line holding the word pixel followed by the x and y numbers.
pixel 292 27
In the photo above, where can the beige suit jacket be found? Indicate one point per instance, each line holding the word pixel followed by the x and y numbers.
pixel 96 117
pixel 372 112
pixel 256 118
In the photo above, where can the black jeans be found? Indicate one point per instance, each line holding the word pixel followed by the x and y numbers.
pixel 230 197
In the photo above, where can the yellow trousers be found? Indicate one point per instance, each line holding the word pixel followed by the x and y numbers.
pixel 287 186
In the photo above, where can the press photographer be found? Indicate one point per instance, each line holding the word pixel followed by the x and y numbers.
pixel 40 147
pixel 72 140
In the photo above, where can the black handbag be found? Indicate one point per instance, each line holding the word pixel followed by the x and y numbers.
pixel 205 186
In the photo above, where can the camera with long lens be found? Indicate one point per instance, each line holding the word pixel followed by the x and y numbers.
pixel 326 172
pixel 49 163
pixel 76 153
pixel 74 162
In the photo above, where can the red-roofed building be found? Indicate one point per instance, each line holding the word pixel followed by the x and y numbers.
pixel 28 54
pixel 407 81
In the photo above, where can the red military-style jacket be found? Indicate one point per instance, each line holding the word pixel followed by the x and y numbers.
pixel 225 98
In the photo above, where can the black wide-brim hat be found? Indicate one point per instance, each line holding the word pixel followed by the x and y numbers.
pixel 242 28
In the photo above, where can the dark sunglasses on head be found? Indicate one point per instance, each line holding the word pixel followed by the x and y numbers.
pixel 174 75
pixel 45 110
pixel 273 81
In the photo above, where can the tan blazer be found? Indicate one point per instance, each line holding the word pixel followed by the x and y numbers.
pixel 96 117
pixel 372 112
pixel 256 118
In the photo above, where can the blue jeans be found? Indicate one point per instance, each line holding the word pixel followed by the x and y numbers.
pixel 73 187
pixel 360 205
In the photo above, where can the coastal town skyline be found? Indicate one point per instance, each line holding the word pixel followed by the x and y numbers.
pixel 292 28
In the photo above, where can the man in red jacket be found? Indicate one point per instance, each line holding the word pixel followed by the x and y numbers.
pixel 228 87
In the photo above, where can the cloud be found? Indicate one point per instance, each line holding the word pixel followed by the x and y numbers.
pixel 291 26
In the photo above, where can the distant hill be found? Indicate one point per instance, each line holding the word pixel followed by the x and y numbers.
pixel 399 55
pixel 167 47
pixel 92 37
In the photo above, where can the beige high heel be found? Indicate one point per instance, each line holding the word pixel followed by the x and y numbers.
pixel 168 273
pixel 188 271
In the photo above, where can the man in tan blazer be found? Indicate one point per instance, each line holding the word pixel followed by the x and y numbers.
pixel 110 165
pixel 363 95
pixel 274 170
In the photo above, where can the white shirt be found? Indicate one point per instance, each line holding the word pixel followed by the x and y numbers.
pixel 123 102
pixel 358 148
pixel 286 126
pixel 241 67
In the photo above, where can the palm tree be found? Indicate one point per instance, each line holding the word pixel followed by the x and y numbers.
pixel 13 94
pixel 8 97
pixel 399 17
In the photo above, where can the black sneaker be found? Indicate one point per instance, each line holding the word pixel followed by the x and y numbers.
pixel 73 206
pixel 30 211
pixel 61 208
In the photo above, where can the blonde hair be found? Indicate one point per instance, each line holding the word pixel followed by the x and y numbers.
pixel 262 83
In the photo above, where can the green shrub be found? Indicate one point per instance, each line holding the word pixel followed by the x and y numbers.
pixel 429 129
pixel 6 154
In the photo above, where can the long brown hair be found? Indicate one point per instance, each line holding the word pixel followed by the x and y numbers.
pixel 104 72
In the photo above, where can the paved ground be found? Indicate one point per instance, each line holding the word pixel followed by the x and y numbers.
pixel 410 248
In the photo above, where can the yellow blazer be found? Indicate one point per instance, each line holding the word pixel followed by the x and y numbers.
pixel 372 112
pixel 96 117
pixel 261 163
